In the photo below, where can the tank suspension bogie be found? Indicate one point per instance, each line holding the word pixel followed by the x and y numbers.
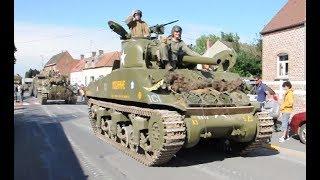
pixel 150 136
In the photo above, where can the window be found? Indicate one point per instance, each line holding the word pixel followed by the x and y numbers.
pixel 85 81
pixel 283 65
pixel 91 78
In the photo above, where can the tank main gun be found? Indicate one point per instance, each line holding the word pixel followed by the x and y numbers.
pixel 159 28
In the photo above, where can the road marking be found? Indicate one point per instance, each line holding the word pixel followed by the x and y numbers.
pixel 58 107
pixel 292 152
pixel 25 103
pixel 74 115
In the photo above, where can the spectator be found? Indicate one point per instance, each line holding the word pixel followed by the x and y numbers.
pixel 15 93
pixel 286 110
pixel 81 91
pixel 260 90
pixel 272 107
pixel 19 92
pixel 22 92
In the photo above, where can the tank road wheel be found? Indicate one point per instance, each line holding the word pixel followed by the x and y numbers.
pixel 106 128
pixel 132 146
pixel 124 135
pixel 145 146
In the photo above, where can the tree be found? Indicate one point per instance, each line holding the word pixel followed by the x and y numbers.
pixel 31 73
pixel 201 42
pixel 248 55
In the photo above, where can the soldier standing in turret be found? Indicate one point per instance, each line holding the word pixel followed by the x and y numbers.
pixel 138 27
pixel 173 48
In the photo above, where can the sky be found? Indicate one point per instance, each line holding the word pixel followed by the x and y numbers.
pixel 45 28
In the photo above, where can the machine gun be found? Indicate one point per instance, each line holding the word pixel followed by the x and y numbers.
pixel 159 28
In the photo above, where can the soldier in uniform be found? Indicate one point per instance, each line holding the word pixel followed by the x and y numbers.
pixel 173 48
pixel 138 27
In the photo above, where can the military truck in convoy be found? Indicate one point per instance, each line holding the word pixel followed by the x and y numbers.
pixel 150 113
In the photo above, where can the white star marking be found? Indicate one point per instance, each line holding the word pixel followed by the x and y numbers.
pixel 122 57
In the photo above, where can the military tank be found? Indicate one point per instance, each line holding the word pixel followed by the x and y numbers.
pixel 150 113
pixel 54 88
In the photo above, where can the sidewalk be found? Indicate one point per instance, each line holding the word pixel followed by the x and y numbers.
pixel 18 105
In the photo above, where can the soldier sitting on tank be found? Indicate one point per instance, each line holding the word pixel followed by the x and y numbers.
pixel 138 27
pixel 173 48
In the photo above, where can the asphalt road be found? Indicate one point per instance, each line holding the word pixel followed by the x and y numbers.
pixel 55 141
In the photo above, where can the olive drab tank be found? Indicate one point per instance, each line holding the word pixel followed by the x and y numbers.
pixel 150 113
pixel 54 87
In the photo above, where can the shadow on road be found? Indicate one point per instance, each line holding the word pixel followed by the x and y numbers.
pixel 42 150
pixel 207 152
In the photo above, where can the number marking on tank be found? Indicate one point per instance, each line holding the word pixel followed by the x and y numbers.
pixel 247 118
pixel 118 84
pixel 139 95
pixel 195 122
pixel 132 85
pixel 154 98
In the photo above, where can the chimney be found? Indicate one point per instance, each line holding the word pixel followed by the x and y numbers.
pixel 209 43
pixel 100 52
pixel 81 57
pixel 93 54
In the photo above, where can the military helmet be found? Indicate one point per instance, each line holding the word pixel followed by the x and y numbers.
pixel 176 29
pixel 137 12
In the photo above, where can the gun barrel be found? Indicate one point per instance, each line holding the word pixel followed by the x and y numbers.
pixel 201 60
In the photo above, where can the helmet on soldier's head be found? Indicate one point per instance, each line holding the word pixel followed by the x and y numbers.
pixel 176 29
pixel 137 12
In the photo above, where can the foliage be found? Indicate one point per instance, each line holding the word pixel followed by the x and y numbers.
pixel 31 73
pixel 201 42
pixel 248 55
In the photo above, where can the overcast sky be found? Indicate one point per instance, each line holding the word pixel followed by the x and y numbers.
pixel 45 28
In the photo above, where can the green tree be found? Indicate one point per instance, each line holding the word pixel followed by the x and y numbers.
pixel 201 42
pixel 247 64
pixel 248 55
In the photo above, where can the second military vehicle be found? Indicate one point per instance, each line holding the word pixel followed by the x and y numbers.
pixel 54 87
pixel 150 113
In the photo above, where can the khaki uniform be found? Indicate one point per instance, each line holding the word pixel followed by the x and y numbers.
pixel 138 28
pixel 171 50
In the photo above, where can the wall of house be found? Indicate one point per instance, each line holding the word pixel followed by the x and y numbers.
pixel 77 78
pixel 292 42
pixel 95 72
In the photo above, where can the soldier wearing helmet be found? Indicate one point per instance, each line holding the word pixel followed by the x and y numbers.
pixel 173 48
pixel 138 27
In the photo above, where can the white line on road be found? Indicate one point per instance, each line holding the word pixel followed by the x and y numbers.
pixel 74 115
pixel 84 159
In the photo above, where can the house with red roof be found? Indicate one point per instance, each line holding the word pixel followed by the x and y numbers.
pixel 284 51
pixel 94 67
pixel 62 62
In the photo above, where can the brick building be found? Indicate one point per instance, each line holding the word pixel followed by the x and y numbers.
pixel 63 62
pixel 284 51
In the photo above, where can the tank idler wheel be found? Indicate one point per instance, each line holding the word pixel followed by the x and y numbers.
pixel 106 128
pixel 92 121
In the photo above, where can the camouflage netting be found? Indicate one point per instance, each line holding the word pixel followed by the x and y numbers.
pixel 61 80
pixel 178 83
pixel 60 92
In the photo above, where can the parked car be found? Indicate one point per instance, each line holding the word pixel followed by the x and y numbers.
pixel 298 126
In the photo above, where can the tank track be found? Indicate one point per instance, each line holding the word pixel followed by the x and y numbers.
pixel 174 137
pixel 264 133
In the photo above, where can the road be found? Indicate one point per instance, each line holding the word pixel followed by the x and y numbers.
pixel 55 141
